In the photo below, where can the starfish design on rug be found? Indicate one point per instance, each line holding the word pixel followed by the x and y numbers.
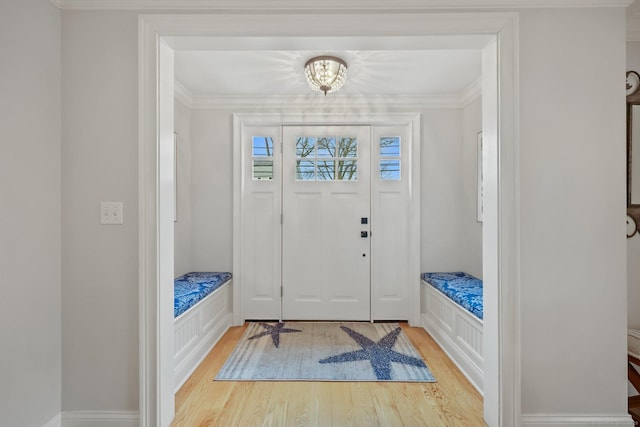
pixel 380 353
pixel 274 331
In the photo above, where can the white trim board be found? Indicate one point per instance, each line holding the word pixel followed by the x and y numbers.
pixel 100 419
pixel 412 121
pixel 572 420
pixel 337 5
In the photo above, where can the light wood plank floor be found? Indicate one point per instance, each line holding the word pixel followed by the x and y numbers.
pixel 451 401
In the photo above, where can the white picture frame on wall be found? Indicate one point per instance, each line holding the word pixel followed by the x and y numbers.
pixel 479 213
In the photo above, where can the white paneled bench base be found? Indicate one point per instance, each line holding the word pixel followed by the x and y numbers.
pixel 457 331
pixel 198 329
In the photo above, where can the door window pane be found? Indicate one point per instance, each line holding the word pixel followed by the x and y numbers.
pixel 326 158
pixel 305 170
pixel 390 161
pixel 326 147
pixel 262 169
pixel 262 146
pixel 262 152
pixel 347 170
pixel 390 146
pixel 390 169
pixel 348 147
pixel 326 170
pixel 305 147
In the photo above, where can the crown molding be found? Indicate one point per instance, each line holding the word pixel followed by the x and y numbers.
pixel 320 102
pixel 473 91
pixel 315 101
pixel 183 94
pixel 327 5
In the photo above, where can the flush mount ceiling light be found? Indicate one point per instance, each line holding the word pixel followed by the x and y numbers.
pixel 325 73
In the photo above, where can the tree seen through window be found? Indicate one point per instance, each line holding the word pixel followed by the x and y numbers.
pixel 326 158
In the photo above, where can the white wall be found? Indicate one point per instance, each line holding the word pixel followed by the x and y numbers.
pixel 633 244
pixel 30 331
pixel 441 186
pixel 182 226
pixel 572 200
pixel 471 238
pixel 572 246
pixel 211 186
pixel 633 278
pixel 99 163
pixel 212 182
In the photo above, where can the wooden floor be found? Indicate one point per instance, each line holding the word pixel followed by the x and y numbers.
pixel 451 401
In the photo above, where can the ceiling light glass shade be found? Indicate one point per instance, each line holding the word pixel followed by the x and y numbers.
pixel 325 73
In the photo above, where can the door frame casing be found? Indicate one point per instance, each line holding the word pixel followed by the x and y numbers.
pixel 502 394
pixel 241 121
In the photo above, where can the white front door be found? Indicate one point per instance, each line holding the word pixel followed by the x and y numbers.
pixel 326 205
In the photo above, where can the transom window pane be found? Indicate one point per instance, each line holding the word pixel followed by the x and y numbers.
pixel 323 158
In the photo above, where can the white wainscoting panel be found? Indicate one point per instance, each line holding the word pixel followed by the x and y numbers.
pixel 469 335
pixel 441 312
pixel 187 333
pixel 456 330
pixel 198 330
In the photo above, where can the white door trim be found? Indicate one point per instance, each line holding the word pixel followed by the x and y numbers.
pixel 502 396
pixel 411 120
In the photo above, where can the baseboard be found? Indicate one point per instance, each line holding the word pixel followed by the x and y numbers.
pixel 56 421
pixel 100 419
pixel 569 420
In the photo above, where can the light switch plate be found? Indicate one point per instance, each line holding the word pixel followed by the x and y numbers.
pixel 111 213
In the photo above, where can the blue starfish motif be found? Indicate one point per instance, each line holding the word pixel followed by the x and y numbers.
pixel 380 353
pixel 274 331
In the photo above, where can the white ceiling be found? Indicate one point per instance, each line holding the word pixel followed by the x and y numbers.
pixel 259 66
pixel 379 72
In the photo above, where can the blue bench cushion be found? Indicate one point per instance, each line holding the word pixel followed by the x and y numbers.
pixel 462 288
pixel 191 288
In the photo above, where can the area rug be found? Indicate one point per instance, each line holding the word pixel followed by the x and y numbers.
pixel 325 351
